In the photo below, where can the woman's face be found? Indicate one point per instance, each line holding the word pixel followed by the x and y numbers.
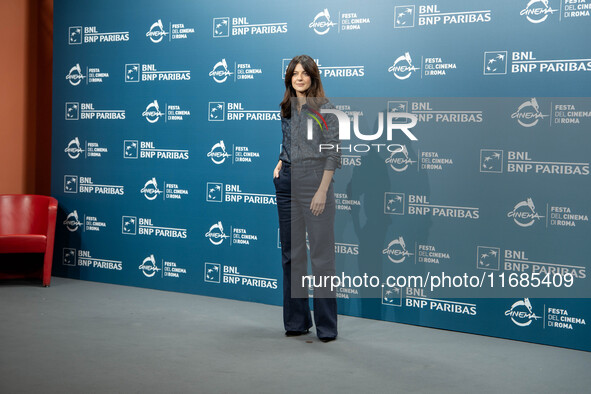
pixel 300 81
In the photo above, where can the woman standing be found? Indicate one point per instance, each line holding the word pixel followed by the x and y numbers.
pixel 305 199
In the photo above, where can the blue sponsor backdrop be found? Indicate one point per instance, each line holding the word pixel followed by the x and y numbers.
pixel 166 131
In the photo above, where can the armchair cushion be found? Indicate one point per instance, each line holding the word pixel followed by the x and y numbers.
pixel 27 225
pixel 23 243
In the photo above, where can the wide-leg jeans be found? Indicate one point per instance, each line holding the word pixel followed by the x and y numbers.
pixel 295 189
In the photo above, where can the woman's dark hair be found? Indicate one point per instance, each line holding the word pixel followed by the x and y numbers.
pixel 315 92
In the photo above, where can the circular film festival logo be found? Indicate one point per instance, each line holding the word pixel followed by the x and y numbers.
pixel 73 149
pixel 152 112
pixel 156 32
pixel 521 313
pixel 322 23
pixel 149 267
pixel 220 72
pixel 150 189
pixel 403 67
pixel 524 213
pixel 216 234
pixel 399 160
pixel 75 75
pixel 396 251
pixel 537 11
pixel 218 153
pixel 528 114
pixel 72 222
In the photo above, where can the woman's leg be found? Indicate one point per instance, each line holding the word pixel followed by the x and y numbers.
pixel 292 233
pixel 322 249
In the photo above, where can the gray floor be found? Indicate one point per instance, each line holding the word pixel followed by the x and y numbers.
pixel 79 336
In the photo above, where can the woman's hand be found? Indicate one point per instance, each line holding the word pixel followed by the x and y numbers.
pixel 277 169
pixel 318 202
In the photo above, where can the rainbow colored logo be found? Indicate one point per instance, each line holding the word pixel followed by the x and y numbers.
pixel 318 120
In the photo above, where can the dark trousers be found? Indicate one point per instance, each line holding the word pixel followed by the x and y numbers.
pixel 295 189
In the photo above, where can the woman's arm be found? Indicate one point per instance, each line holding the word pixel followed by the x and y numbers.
pixel 319 199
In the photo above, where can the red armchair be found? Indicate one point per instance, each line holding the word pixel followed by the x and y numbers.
pixel 27 225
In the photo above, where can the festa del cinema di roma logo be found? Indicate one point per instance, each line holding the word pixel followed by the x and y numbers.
pixel 528 114
pixel 396 251
pixel 156 32
pixel 152 112
pixel 521 313
pixel 75 76
pixel 322 23
pixel 524 213
pixel 220 72
pixel 403 67
pixel 149 267
pixel 72 221
pixel 537 11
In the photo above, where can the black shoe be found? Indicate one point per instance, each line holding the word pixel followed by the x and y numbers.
pixel 327 339
pixel 296 333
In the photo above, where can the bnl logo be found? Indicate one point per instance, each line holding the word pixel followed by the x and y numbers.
pixel 398 106
pixel 394 203
pixel 221 27
pixel 75 35
pixel 70 184
pixel 488 258
pixel 404 16
pixel 491 160
pixel 132 72
pixel 217 111
pixel 72 111
pixel 495 63
pixel 129 225
pixel 391 296
pixel 130 149
pixel 214 192
pixel 69 257
pixel 212 273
